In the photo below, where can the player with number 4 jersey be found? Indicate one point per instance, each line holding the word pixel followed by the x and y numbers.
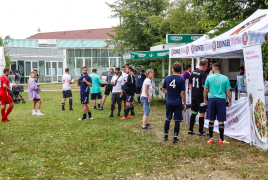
pixel 197 82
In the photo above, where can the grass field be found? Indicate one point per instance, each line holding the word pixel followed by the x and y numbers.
pixel 58 146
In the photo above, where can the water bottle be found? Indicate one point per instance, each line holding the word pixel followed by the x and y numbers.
pixel 203 104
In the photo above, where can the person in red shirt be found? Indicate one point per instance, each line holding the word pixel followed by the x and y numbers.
pixel 5 97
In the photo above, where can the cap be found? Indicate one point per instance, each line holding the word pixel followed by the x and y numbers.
pixel 241 68
pixel 16 70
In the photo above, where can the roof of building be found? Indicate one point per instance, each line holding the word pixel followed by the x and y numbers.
pixel 76 34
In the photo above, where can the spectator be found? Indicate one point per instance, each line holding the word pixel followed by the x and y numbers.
pixel 187 76
pixel 17 77
pixel 242 70
pixel 37 76
pixel 11 78
pixel 147 92
pixel 109 87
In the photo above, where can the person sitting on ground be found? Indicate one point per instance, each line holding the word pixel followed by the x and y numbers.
pixel 147 93
pixel 34 95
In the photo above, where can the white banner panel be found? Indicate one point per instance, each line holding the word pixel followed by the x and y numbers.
pixel 255 89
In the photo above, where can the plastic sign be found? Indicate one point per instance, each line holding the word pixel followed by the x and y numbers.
pixel 182 38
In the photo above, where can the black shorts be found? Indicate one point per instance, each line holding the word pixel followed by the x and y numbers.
pixel 67 94
pixel 177 110
pixel 138 90
pixel 195 106
pixel 124 97
pixel 116 98
pixel 94 96
pixel 108 89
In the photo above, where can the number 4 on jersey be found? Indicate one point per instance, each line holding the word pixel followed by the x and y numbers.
pixel 172 84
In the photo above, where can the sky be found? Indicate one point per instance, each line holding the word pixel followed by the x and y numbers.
pixel 22 18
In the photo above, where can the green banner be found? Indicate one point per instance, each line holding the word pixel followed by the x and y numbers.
pixel 146 55
pixel 182 38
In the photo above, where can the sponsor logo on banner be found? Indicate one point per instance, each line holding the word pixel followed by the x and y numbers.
pixel 142 55
pixel 161 54
pixel 208 47
pixel 224 43
pixel 176 38
pixel 151 55
pixel 214 45
pixel 245 38
pixel 133 56
pixel 236 41
pixel 266 37
pixel 171 52
pixel 248 25
pixel 194 38
pixel 187 50
pixel 192 48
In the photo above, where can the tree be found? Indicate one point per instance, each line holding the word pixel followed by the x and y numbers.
pixel 7 57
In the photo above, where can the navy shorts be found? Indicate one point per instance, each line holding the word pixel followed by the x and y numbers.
pixel 84 98
pixel 96 95
pixel 130 98
pixel 138 90
pixel 176 109
pixel 216 109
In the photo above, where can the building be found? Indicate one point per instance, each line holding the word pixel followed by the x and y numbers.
pixel 50 53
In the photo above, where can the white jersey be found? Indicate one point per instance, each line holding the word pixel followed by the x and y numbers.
pixel 125 76
pixel 65 82
pixel 118 85
pixel 147 81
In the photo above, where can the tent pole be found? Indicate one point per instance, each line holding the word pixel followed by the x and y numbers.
pixel 163 68
pixel 169 66
pixel 192 64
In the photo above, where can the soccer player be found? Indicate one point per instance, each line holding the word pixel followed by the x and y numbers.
pixel 5 97
pixel 85 82
pixel 187 76
pixel 197 83
pixel 66 89
pixel 217 85
pixel 109 87
pixel 140 78
pixel 174 87
pixel 130 93
pixel 116 82
pixel 95 89
pixel 123 94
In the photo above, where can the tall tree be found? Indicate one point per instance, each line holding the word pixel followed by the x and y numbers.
pixel 7 57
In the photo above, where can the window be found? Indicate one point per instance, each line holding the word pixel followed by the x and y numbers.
pixel 71 65
pixel 70 53
pixel 79 65
pixel 14 66
pixel 34 66
pixel 87 52
pixel 234 65
pixel 96 52
pixel 60 68
pixel 28 68
pixel 104 53
pixel 48 68
pixel 41 68
pixel 79 53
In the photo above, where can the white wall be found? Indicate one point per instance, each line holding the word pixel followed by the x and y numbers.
pixel 225 69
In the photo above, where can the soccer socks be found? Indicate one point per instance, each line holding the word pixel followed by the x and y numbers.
pixel 62 105
pixel 132 110
pixel 70 103
pixel 127 111
pixel 33 110
pixel 3 114
pixel 221 130
pixel 84 116
pixel 201 124
pixel 119 109
pixel 211 126
pixel 139 99
pixel 192 121
pixel 89 115
pixel 98 105
pixel 166 128
pixel 8 111
pixel 176 128
pixel 112 110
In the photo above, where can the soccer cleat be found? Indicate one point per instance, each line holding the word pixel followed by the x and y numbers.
pixel 63 109
pixel 101 108
pixel 34 113
pixel 145 128
pixel 118 115
pixel 124 117
pixel 165 138
pixel 223 142
pixel 111 116
pixel 191 132
pixel 203 133
pixel 148 124
pixel 130 116
pixel 210 141
pixel 175 140
pixel 6 119
pixel 90 117
pixel 39 114
pixel 95 108
pixel 139 104
pixel 71 109
pixel 81 119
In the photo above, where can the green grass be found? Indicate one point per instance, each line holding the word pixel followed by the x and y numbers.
pixel 58 146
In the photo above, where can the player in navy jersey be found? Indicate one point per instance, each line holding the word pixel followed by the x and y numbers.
pixel 174 87
pixel 140 78
pixel 85 82
pixel 197 82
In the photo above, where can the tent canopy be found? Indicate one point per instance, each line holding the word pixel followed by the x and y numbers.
pixel 254 30
pixel 142 55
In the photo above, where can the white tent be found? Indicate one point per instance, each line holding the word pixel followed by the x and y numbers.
pixel 254 30
pixel 2 60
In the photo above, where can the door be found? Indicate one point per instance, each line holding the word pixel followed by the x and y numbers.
pixel 54 72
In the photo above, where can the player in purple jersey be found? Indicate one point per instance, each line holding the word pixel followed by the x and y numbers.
pixel 85 82
pixel 174 87
pixel 140 78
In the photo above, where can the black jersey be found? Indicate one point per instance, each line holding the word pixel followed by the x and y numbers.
pixel 198 79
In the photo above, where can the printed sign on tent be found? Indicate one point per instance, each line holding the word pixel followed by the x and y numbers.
pixel 255 89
